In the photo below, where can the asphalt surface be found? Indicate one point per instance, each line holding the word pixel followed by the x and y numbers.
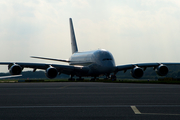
pixel 89 100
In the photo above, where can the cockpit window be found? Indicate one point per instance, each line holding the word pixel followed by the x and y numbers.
pixel 107 59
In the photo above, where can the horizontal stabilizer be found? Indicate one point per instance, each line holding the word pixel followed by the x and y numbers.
pixel 50 59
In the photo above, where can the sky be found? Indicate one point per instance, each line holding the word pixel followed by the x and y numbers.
pixel 134 31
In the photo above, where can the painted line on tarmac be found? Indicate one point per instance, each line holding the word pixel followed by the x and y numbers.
pixel 159 114
pixel 136 111
pixel 134 107
pixel 65 86
pixel 78 106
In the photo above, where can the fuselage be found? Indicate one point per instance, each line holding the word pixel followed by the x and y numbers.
pixel 99 62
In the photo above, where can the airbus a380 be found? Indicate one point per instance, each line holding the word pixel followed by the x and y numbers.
pixel 87 64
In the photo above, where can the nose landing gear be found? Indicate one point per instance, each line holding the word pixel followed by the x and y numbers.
pixel 110 77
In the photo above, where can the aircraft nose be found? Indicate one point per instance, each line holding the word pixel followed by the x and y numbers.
pixel 108 64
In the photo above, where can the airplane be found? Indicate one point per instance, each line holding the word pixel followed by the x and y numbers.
pixel 87 64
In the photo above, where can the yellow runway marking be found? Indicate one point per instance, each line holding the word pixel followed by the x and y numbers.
pixel 136 111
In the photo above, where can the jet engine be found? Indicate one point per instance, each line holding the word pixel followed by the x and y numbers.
pixel 51 72
pixel 15 69
pixel 162 70
pixel 137 72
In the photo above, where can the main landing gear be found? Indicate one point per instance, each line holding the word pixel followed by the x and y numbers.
pixel 93 79
pixel 79 79
pixel 113 77
pixel 71 78
pixel 107 77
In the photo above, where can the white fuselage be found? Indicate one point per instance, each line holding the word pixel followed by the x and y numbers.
pixel 99 62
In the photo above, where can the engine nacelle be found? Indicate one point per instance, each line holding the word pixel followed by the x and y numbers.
pixel 137 72
pixel 15 69
pixel 51 72
pixel 162 70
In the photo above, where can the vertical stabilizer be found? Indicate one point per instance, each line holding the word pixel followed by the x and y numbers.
pixel 73 38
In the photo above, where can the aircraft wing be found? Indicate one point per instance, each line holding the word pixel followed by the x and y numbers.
pixel 142 65
pixel 3 77
pixel 66 69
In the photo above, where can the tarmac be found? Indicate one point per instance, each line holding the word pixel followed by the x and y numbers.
pixel 89 100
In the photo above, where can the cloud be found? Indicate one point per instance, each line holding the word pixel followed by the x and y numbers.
pixel 79 3
pixel 150 32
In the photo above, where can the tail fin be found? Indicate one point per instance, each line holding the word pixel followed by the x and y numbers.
pixel 73 38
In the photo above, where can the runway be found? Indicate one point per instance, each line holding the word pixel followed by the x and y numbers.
pixel 89 100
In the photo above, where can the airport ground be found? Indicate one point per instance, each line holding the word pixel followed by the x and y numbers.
pixel 89 100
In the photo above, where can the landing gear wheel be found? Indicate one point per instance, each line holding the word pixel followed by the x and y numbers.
pixel 93 79
pixel 80 79
pixel 113 77
pixel 71 79
pixel 107 77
